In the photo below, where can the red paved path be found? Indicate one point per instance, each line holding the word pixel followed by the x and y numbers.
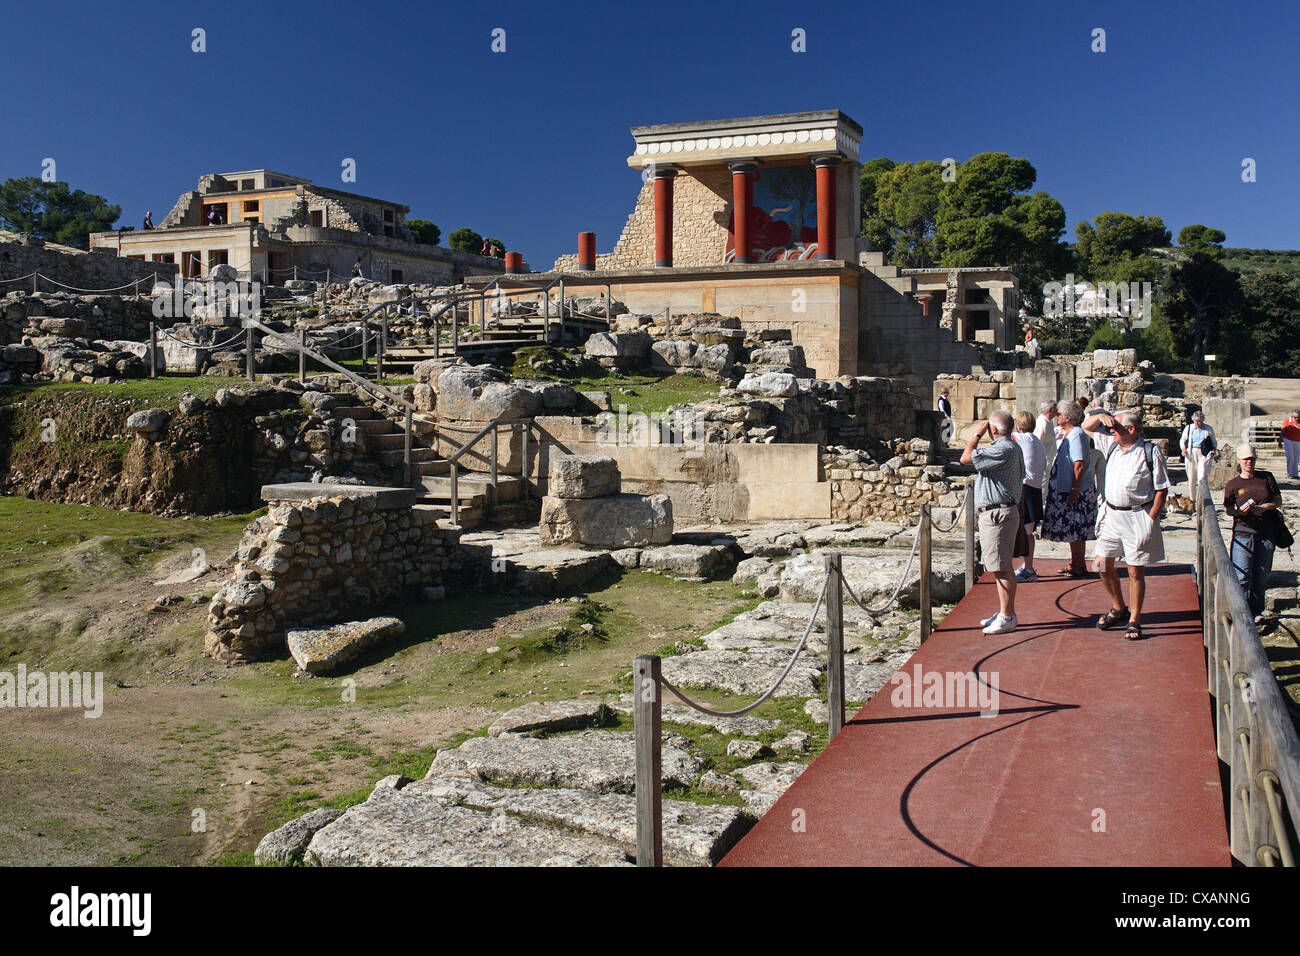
pixel 1087 721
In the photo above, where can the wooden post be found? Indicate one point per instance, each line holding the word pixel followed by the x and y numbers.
pixel 455 496
pixel 455 329
pixel 365 327
pixel 406 450
pixel 970 538
pixel 524 470
pixel 251 356
pixel 437 339
pixel 646 716
pixel 495 446
pixel 153 350
pixel 561 311
pixel 834 643
pixel 608 305
pixel 926 600
pixel 546 320
pixel 379 346
pixel 302 356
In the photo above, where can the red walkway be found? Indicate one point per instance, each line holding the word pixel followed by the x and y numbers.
pixel 1092 730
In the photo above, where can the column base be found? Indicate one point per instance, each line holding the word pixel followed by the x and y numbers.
pixel 743 260
pixel 663 263
pixel 582 268
pixel 825 255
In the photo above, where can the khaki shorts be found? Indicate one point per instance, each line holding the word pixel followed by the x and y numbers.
pixel 998 527
pixel 1129 535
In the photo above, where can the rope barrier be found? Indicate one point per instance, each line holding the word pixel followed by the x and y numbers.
pixel 955 518
pixel 72 288
pixel 200 345
pixel 21 278
pixel 876 612
pixel 817 606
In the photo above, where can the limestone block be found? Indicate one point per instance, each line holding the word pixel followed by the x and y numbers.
pixel 322 651
pixel 769 385
pixel 572 476
pixel 634 347
pixel 691 562
pixel 548 715
pixel 673 353
pixel 480 394
pixel 148 421
pixel 791 355
pixel 614 521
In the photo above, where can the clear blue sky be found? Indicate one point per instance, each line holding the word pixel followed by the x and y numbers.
pixel 529 145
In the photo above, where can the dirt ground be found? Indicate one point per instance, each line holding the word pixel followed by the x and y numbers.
pixel 192 762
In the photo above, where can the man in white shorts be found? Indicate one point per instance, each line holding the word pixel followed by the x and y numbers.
pixel 1129 519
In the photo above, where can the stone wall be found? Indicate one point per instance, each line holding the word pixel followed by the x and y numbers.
pixel 866 488
pixel 97 316
pixel 701 206
pixel 1227 411
pixel 975 397
pixel 84 270
pixel 321 560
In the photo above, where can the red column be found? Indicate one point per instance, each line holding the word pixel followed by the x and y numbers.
pixel 586 251
pixel 827 207
pixel 742 201
pixel 514 262
pixel 664 217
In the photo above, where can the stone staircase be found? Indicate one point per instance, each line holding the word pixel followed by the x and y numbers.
pixel 502 337
pixel 384 442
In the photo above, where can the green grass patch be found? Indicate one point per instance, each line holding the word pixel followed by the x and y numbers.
pixel 164 390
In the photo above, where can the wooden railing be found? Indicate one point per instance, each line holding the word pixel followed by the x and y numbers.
pixel 1253 726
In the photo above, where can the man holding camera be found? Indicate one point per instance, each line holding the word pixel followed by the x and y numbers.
pixel 1128 526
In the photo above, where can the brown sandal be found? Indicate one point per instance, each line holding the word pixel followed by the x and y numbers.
pixel 1133 632
pixel 1111 618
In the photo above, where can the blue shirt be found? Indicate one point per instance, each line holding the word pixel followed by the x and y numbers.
pixel 1074 447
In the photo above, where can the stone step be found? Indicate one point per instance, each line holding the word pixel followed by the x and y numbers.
pixel 475 497
pixel 388 441
pixel 376 426
pixel 517 512
pixel 470 516
pixel 396 457
pixel 438 466
pixel 508 487
pixel 355 412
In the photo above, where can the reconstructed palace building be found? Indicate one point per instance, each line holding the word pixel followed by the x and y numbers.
pixel 267 224
pixel 760 217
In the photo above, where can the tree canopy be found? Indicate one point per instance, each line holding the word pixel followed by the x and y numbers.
pixel 53 212
pixel 423 231
pixel 982 214
pixel 1116 247
pixel 466 240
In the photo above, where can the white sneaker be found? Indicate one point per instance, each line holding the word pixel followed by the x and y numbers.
pixel 1003 625
pixel 989 620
